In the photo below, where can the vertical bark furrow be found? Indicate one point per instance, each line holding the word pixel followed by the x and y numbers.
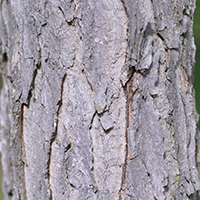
pixel 23 150
pixel 54 134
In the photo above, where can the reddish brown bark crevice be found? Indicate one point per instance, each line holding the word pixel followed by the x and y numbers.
pixel 23 150
pixel 130 97
pixel 130 94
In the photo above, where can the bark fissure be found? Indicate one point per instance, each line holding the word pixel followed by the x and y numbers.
pixel 27 103
pixel 129 94
pixel 54 134
pixel 23 150
pixel 91 123
pixel 125 8
pixel 127 87
pixel 127 69
pixel 88 81
pixel 94 187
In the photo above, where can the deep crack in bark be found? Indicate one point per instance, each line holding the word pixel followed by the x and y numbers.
pixel 23 151
pixel 27 103
pixel 126 90
pixel 94 187
pixel 54 134
pixel 129 94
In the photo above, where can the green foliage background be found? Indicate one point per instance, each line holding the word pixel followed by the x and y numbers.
pixel 197 65
pixel 196 71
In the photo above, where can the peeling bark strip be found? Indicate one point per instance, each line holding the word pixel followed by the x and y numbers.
pixel 100 100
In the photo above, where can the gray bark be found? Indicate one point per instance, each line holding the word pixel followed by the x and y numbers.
pixel 98 101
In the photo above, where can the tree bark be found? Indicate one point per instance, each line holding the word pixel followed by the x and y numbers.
pixel 98 100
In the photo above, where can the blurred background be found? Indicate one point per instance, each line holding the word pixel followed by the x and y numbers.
pixel 197 65
pixel 196 71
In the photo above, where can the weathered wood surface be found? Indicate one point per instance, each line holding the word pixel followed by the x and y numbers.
pixel 98 101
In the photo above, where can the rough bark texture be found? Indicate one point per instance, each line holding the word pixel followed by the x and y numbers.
pixel 98 101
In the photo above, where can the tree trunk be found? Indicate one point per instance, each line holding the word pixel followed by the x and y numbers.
pixel 98 101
